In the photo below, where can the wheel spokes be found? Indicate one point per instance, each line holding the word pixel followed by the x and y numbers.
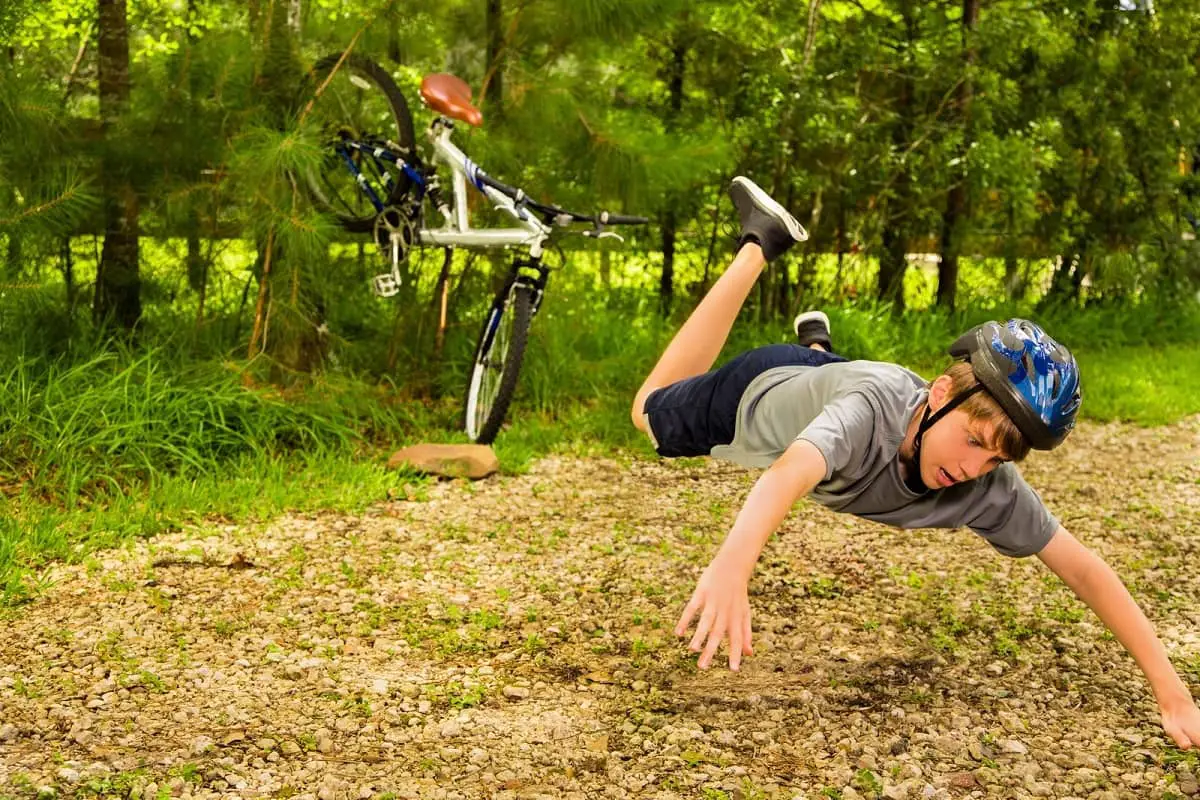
pixel 493 367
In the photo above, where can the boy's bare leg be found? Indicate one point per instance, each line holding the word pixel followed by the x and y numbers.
pixel 696 346
pixel 768 231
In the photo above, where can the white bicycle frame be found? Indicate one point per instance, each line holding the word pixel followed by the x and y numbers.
pixel 457 231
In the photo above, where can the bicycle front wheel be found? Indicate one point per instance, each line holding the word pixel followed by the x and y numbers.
pixel 498 357
pixel 358 102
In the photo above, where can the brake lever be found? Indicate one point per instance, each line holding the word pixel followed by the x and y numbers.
pixel 604 235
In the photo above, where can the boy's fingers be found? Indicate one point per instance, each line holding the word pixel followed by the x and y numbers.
pixel 714 641
pixel 735 645
pixel 689 611
pixel 702 629
pixel 1181 736
pixel 747 634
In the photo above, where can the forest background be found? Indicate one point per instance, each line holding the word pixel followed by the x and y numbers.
pixel 954 162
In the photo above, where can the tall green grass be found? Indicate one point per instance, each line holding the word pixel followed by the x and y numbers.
pixel 1139 363
pixel 100 443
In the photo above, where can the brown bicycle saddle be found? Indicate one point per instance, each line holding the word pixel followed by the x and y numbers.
pixel 450 97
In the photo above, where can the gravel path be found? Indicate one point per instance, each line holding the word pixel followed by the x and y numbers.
pixel 511 639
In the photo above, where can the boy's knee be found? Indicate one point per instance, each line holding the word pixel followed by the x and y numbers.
pixel 638 412
pixel 639 418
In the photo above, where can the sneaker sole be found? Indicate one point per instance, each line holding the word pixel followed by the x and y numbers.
pixel 764 200
pixel 806 316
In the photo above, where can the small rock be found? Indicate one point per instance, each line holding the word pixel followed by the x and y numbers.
pixel 962 780
pixel 472 461
pixel 9 733
pixel 67 775
pixel 265 744
pixel 450 729
pixel 516 692
pixel 201 745
pixel 996 668
pixel 1188 786
pixel 1013 747
pixel 289 748
pixel 379 686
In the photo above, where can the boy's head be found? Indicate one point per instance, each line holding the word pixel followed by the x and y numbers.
pixel 985 414
pixel 1014 389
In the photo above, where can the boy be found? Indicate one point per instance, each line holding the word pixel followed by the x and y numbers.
pixel 875 440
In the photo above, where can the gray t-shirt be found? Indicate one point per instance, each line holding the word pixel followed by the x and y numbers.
pixel 856 413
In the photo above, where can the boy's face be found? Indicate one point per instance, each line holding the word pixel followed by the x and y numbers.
pixel 955 450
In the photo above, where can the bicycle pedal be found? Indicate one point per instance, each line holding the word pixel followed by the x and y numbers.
pixel 385 285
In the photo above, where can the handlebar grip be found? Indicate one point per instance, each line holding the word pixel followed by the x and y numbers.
pixel 606 218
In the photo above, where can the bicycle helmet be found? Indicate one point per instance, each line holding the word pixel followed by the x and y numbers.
pixel 1033 378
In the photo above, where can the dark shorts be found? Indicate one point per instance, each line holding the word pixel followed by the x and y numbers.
pixel 694 415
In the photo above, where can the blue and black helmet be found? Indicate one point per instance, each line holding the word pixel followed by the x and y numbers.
pixel 1033 378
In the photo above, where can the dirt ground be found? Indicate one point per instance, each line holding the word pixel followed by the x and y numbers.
pixel 512 639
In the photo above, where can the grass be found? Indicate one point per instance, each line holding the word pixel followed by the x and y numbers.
pixel 104 443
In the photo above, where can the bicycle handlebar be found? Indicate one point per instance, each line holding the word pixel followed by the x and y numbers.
pixel 606 218
pixel 554 214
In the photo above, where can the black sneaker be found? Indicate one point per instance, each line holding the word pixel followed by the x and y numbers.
pixel 764 221
pixel 812 327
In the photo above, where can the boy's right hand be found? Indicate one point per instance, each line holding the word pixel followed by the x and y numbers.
pixel 722 600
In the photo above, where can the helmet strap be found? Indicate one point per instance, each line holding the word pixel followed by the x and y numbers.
pixel 914 481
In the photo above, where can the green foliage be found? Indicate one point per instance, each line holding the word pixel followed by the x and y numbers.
pixel 1076 150
pixel 11 15
pixel 42 190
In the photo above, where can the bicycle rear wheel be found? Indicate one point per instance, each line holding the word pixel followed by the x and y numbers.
pixel 360 102
pixel 498 357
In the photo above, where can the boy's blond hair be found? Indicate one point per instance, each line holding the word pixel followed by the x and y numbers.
pixel 982 407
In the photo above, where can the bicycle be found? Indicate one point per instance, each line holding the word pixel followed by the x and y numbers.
pixel 374 183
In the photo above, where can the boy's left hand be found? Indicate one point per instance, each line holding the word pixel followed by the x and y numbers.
pixel 1181 721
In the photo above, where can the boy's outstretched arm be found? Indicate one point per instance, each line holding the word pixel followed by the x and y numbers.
pixel 1097 585
pixel 721 597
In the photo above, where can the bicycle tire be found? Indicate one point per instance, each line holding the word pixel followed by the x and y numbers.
pixel 483 415
pixel 331 177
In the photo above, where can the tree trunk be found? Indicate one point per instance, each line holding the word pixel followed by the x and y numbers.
pixel 68 271
pixel 675 72
pixel 494 99
pixel 712 240
pixel 118 280
pixel 666 282
pixel 606 269
pixel 13 256
pixel 1063 281
pixel 293 17
pixel 1013 287
pixel 956 203
pixel 892 262
pixel 892 266
pixel 197 267
pixel 839 290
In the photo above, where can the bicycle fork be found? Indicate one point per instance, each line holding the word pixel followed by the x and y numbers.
pixel 518 276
